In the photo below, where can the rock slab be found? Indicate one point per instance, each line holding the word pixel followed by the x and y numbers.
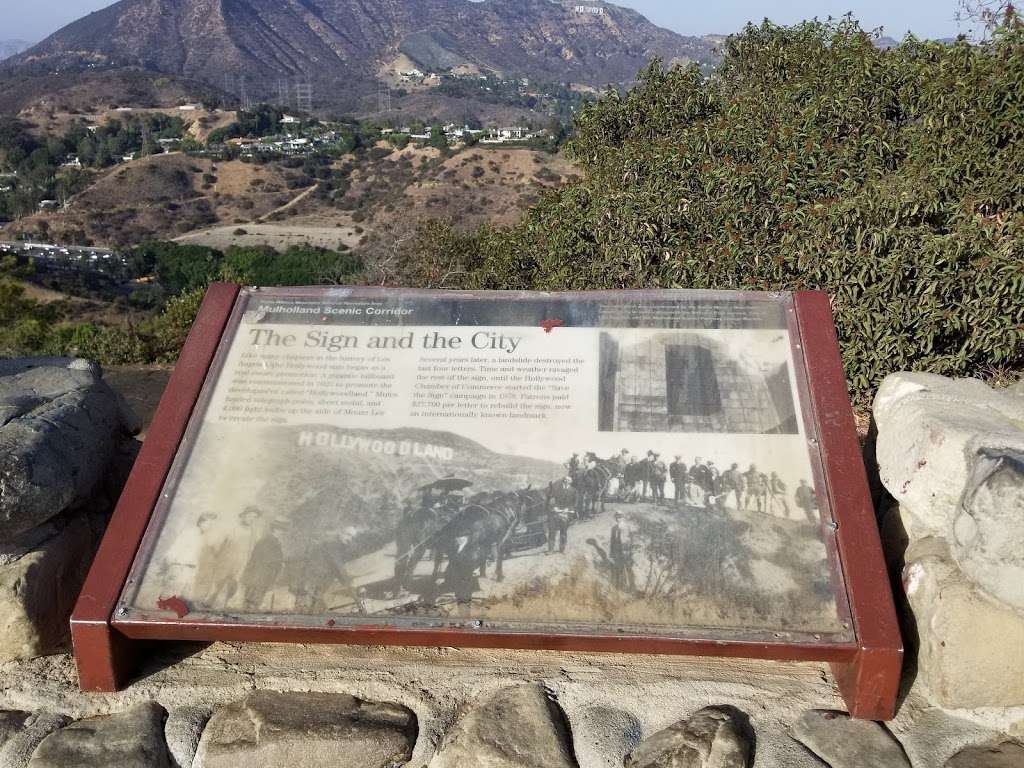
pixel 713 737
pixel 308 730
pixel 968 645
pixel 131 739
pixel 517 727
pixel 60 426
pixel 843 742
pixel 16 750
pixel 1001 754
pixel 182 731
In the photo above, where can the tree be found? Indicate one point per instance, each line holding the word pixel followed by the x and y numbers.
pixel 87 150
pixel 103 156
pixel 438 140
pixel 299 265
pixel 178 267
pixel 987 15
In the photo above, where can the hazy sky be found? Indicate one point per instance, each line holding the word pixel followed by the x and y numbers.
pixel 35 19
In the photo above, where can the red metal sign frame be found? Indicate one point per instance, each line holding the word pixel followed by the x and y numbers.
pixel 867 670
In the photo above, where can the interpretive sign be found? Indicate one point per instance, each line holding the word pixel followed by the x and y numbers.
pixel 633 471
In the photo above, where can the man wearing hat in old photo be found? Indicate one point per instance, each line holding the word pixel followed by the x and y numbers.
pixel 264 566
pixel 620 552
pixel 677 474
pixel 658 474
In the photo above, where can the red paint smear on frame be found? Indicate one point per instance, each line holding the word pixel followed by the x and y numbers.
pixel 176 604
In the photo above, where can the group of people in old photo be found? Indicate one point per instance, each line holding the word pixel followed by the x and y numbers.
pixel 700 484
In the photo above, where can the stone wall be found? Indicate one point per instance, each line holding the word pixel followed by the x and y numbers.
pixel 946 453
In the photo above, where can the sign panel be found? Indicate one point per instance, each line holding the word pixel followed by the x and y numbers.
pixel 618 463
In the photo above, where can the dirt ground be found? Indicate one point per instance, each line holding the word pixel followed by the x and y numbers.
pixel 277 236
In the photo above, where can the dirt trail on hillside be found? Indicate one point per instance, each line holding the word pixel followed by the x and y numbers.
pixel 290 204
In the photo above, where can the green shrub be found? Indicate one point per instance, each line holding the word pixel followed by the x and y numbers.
pixel 109 345
pixel 168 332
pixel 179 267
pixel 299 265
pixel 893 180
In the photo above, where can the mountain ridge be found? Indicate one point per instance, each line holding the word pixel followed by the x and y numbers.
pixel 260 42
pixel 9 48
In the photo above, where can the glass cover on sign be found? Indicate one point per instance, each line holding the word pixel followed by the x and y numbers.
pixel 601 463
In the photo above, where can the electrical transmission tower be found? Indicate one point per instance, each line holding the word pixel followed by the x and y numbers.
pixel 383 98
pixel 243 93
pixel 284 93
pixel 229 85
pixel 304 96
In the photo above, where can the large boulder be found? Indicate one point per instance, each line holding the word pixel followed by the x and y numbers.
pixel 518 727
pixel 713 737
pixel 969 652
pixel 951 453
pixel 308 730
pixel 38 591
pixel 131 739
pixel 60 429
pixel 932 433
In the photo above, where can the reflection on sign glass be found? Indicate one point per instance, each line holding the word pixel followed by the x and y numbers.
pixel 532 462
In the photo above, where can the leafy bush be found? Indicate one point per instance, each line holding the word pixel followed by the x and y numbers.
pixel 169 331
pixel 299 265
pixel 893 180
pixel 179 267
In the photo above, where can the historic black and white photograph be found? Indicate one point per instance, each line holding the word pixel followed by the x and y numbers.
pixel 696 381
pixel 319 521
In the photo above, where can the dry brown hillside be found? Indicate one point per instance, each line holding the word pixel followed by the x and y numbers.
pixel 384 193
pixel 473 186
pixel 161 197
pixel 39 93
pixel 386 196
